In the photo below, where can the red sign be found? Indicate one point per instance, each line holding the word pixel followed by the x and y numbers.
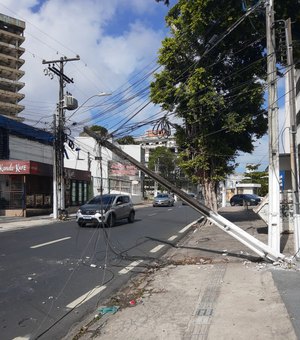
pixel 14 167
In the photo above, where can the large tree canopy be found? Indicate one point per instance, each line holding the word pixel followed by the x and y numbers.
pixel 213 77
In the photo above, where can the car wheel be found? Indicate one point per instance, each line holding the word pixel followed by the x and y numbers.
pixel 232 203
pixel 111 221
pixel 131 217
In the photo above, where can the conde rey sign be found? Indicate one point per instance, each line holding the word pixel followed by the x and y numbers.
pixel 14 167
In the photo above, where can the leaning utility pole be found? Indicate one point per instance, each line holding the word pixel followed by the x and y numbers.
pixel 230 228
pixel 293 130
pixel 58 144
pixel 274 186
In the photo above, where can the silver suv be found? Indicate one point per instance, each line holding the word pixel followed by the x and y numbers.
pixel 106 209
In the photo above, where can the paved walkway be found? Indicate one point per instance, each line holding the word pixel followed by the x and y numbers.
pixel 212 288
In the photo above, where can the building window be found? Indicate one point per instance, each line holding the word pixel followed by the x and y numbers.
pixel 4 147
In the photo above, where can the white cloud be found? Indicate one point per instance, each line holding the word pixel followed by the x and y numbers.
pixel 69 27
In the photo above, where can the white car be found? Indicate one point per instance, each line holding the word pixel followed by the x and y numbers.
pixel 106 209
pixel 163 200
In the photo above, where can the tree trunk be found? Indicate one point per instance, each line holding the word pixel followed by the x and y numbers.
pixel 210 194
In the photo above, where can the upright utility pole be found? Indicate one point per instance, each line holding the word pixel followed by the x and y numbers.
pixel 293 130
pixel 274 186
pixel 59 122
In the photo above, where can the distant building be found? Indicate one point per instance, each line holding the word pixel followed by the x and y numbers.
pixel 109 173
pixel 11 39
pixel 151 140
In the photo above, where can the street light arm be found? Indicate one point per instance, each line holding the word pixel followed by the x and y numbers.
pixel 101 94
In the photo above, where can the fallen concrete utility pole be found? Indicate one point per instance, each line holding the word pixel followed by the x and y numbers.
pixel 230 228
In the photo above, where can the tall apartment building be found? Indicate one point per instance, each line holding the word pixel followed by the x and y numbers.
pixel 11 39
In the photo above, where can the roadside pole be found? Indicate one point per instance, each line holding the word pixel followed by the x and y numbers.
pixel 293 131
pixel 274 185
pixel 58 143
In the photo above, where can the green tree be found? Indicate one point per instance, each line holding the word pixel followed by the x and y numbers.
pixel 163 160
pixel 102 131
pixel 254 176
pixel 126 140
pixel 215 90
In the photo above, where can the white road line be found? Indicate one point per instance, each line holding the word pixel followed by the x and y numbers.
pixel 85 297
pixel 152 214
pixel 157 248
pixel 172 238
pixel 187 227
pixel 130 267
pixel 50 242
pixel 170 209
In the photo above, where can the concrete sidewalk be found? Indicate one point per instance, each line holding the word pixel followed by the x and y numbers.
pixel 211 287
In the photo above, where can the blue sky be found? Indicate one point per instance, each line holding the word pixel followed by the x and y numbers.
pixel 117 42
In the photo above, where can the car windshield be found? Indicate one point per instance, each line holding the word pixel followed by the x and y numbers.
pixel 102 200
pixel 162 196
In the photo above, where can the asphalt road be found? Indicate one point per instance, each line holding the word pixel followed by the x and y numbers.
pixel 53 276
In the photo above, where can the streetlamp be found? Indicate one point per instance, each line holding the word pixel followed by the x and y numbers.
pixel 101 94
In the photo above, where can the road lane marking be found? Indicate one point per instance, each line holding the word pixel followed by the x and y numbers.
pixel 85 297
pixel 172 238
pixel 130 267
pixel 170 209
pixel 157 248
pixel 50 242
pixel 187 227
pixel 152 214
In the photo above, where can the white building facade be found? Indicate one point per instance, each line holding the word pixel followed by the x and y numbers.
pixel 109 174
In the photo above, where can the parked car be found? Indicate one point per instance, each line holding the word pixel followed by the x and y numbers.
pixel 107 208
pixel 244 199
pixel 192 195
pixel 163 200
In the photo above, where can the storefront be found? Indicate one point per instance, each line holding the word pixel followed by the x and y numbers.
pixel 26 187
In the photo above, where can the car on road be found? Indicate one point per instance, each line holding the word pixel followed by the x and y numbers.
pixel 163 200
pixel 106 209
pixel 192 195
pixel 244 199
